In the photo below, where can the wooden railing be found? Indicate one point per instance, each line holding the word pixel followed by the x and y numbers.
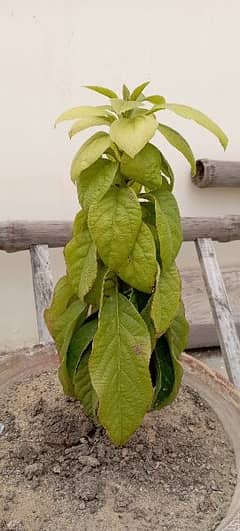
pixel 38 236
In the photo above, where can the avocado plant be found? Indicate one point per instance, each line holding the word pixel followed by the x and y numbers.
pixel 117 316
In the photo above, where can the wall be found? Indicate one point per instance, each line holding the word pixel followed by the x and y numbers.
pixel 189 51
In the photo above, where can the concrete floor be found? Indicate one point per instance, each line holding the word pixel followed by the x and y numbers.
pixel 212 357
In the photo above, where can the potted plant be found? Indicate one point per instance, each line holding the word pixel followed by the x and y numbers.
pixel 117 317
pixel 118 323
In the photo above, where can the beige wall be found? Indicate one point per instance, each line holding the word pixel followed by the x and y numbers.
pixel 188 49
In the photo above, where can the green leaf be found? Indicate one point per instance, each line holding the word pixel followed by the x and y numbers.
pixel 90 121
pixel 157 100
pixel 132 134
pixel 177 140
pixel 81 339
pixel 81 261
pixel 83 389
pixel 168 224
pixel 119 106
pixel 167 171
pixel 144 168
pixel 138 90
pixel 125 92
pixel 63 331
pixel 95 181
pixel 177 334
pixel 146 315
pixel 139 269
pixel 168 374
pixel 102 90
pixel 165 299
pixel 89 152
pixel 84 111
pixel 136 187
pixel 156 108
pixel 62 295
pixel 114 223
pixel 94 295
pixel 200 118
pixel 119 370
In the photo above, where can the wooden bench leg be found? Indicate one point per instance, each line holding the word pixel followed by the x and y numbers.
pixel 42 287
pixel 222 313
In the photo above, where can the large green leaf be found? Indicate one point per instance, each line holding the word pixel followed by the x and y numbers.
pixel 200 118
pixel 114 223
pixel 119 368
pixel 83 389
pixel 81 261
pixel 168 374
pixel 87 122
pixel 168 224
pixel 145 167
pixel 84 111
pixel 102 90
pixel 81 339
pixel 165 299
pixel 89 152
pixel 138 90
pixel 132 134
pixel 95 181
pixel 177 140
pixel 119 106
pixel 177 334
pixel 139 269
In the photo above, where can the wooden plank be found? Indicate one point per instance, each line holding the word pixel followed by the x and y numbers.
pixel 222 313
pixel 217 173
pixel 21 235
pixel 42 287
pixel 203 331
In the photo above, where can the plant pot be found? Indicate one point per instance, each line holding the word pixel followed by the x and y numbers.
pixel 212 387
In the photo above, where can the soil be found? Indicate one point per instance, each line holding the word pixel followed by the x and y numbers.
pixel 61 473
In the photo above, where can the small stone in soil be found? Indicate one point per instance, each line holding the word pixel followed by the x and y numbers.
pixel 88 460
pixel 2 428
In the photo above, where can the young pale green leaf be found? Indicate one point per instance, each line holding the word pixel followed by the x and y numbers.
pixel 119 106
pixel 114 223
pixel 81 262
pixel 95 181
pixel 119 369
pixel 102 90
pixel 177 334
pixel 125 92
pixel 200 118
pixel 83 389
pixel 168 224
pixel 144 168
pixel 84 111
pixel 168 374
pixel 90 121
pixel 139 269
pixel 132 134
pixel 157 100
pixel 80 341
pixel 63 293
pixel 165 299
pixel 177 140
pixel 89 152
pixel 138 90
pixel 156 108
pixel 136 187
